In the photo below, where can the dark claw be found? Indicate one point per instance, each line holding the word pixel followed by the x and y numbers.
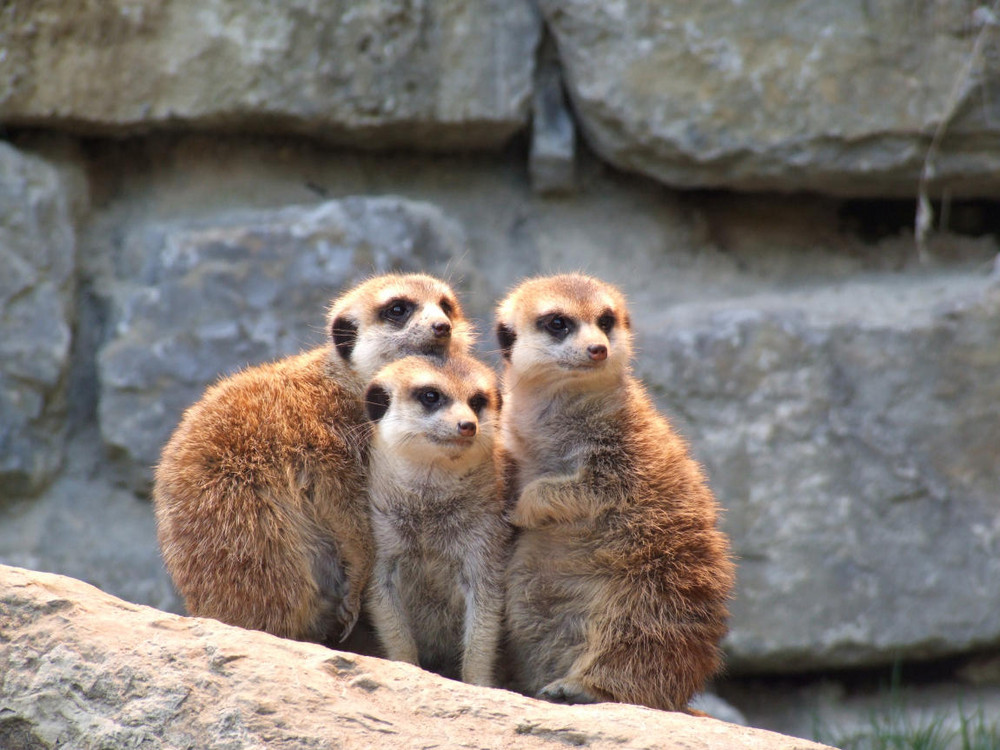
pixel 349 616
pixel 566 692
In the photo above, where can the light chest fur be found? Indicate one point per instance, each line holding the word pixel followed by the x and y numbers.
pixel 542 429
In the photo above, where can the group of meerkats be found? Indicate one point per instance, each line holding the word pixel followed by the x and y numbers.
pixel 553 537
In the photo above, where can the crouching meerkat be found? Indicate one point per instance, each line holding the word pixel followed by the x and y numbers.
pixel 618 583
pixel 259 494
pixel 436 592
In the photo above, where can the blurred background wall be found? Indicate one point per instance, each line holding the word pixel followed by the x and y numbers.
pixel 184 185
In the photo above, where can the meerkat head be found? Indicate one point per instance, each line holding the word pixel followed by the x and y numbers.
pixel 432 413
pixel 570 330
pixel 396 315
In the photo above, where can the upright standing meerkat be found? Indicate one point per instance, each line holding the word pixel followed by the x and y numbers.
pixel 619 579
pixel 436 593
pixel 260 492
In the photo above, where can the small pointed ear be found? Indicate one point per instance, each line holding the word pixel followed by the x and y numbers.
pixel 344 333
pixel 376 402
pixel 506 337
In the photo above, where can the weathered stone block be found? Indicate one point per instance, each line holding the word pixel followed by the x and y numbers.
pixel 853 434
pixel 196 301
pixel 788 95
pixel 436 75
pixel 37 246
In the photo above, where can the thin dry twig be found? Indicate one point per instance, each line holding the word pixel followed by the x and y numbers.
pixel 988 21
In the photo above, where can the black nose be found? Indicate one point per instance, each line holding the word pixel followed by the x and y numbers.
pixel 466 429
pixel 441 329
pixel 597 352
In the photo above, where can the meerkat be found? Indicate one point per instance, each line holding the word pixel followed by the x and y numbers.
pixel 436 592
pixel 618 583
pixel 259 494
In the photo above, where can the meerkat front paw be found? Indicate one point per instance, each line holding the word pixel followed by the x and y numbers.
pixel 568 691
pixel 531 509
pixel 548 500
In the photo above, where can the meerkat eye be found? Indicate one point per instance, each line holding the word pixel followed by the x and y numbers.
pixel 559 326
pixel 478 402
pixel 397 311
pixel 607 321
pixel 446 307
pixel 429 397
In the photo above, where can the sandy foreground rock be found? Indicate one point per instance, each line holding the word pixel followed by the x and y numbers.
pixel 80 668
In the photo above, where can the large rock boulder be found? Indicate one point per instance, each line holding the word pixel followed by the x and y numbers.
pixel 37 265
pixel 787 95
pixel 852 434
pixel 452 74
pixel 196 301
pixel 83 669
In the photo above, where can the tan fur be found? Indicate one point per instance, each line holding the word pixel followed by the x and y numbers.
pixel 619 577
pixel 436 595
pixel 259 494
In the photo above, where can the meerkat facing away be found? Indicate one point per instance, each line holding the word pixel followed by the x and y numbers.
pixel 259 494
pixel 436 592
pixel 619 579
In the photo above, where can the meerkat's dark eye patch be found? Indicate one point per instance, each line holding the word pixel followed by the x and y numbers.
pixel 344 333
pixel 607 321
pixel 479 402
pixel 506 338
pixel 557 325
pixel 430 398
pixel 376 402
pixel 447 307
pixel 397 311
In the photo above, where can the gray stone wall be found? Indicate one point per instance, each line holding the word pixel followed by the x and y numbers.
pixel 787 95
pixel 451 74
pixel 184 186
pixel 37 247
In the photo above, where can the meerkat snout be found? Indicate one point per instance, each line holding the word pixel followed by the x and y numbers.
pixel 435 318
